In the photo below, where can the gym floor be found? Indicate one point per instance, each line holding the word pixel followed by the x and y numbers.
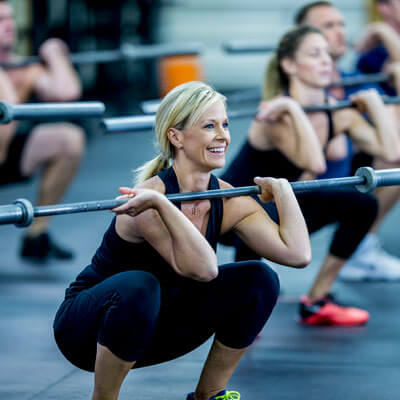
pixel 288 361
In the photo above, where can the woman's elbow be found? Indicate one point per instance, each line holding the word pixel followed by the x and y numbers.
pixel 318 167
pixel 302 259
pixel 206 274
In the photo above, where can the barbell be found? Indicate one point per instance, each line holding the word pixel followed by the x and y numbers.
pixel 254 94
pixel 49 111
pixel 21 212
pixel 125 52
pixel 146 122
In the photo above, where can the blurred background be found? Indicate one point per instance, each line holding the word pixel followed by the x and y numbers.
pixel 99 25
pixel 31 366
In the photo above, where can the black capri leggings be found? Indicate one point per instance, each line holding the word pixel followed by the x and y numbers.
pixel 353 211
pixel 130 315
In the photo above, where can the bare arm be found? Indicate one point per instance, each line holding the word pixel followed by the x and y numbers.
pixel 381 33
pixel 150 216
pixel 59 80
pixel 287 243
pixel 9 94
pixel 380 139
pixel 281 123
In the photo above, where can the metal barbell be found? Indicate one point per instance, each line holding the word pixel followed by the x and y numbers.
pixel 49 111
pixel 125 52
pixel 146 122
pixel 21 212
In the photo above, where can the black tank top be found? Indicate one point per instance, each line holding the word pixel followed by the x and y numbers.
pixel 117 255
pixel 251 162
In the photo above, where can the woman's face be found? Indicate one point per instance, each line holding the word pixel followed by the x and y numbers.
pixel 312 63
pixel 205 143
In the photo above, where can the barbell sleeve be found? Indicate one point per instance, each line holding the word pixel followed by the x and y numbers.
pixel 49 111
pixel 128 124
pixel 366 179
pixel 246 46
pixel 133 52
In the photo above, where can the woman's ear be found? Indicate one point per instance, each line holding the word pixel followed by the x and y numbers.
pixel 175 137
pixel 288 66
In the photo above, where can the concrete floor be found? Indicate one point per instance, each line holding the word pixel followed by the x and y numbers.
pixel 288 361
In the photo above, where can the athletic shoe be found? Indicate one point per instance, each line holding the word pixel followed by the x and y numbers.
pixel 42 247
pixel 327 312
pixel 222 395
pixel 371 262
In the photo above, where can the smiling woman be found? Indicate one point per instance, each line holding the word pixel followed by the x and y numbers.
pixel 157 261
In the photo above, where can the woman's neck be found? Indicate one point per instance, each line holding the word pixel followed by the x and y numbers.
pixel 5 54
pixel 306 95
pixel 190 180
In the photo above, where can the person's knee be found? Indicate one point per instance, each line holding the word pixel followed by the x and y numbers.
pixel 263 279
pixel 73 140
pixel 134 286
pixel 367 209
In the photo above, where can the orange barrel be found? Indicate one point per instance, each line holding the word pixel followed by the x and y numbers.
pixel 177 69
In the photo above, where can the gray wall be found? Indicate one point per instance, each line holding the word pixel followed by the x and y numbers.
pixel 216 21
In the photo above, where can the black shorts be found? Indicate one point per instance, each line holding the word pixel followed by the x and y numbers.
pixel 10 169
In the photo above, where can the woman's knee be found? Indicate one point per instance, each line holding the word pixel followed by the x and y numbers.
pixel 262 278
pixel 134 286
pixel 366 209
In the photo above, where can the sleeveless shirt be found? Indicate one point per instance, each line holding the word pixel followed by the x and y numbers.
pixel 117 255
pixel 251 162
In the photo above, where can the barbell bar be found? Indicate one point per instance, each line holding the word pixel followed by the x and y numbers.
pixel 146 122
pixel 254 94
pixel 125 52
pixel 21 212
pixel 49 111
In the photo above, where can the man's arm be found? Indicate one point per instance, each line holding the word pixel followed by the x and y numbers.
pixel 9 94
pixel 59 80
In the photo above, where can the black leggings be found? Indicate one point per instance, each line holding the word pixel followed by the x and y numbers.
pixel 353 211
pixel 130 314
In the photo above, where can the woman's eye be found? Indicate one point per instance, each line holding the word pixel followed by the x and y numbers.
pixel 209 126
pixel 225 125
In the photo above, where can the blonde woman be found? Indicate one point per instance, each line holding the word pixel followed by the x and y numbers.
pixel 154 290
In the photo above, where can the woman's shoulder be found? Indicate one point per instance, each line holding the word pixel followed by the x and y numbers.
pixel 154 183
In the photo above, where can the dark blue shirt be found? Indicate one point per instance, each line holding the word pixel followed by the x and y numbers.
pixel 372 62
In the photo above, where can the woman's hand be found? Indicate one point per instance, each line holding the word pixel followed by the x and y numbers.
pixel 270 187
pixel 366 99
pixel 140 200
pixel 273 110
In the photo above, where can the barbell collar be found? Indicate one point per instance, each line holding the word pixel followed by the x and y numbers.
pixel 50 111
pixel 370 179
pixel 28 212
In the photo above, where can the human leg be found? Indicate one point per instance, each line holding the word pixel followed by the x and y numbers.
pixel 354 212
pixel 371 261
pixel 57 149
pixel 254 289
pixel 109 373
pixel 99 328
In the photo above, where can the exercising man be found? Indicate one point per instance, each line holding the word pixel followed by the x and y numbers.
pixel 53 148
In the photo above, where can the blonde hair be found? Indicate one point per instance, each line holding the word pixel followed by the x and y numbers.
pixel 276 81
pixel 180 108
